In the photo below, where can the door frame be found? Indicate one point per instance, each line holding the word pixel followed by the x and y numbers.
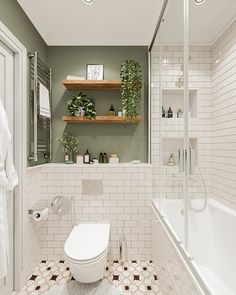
pixel 20 153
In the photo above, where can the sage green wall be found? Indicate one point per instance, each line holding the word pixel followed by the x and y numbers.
pixel 15 19
pixel 130 143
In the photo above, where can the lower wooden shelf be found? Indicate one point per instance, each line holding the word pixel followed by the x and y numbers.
pixel 101 120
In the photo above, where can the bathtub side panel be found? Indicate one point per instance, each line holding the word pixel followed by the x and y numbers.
pixel 173 276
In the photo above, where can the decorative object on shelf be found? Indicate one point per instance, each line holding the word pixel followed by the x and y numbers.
pixel 79 159
pixel 112 111
pixel 179 113
pixel 95 161
pixel 163 112
pixel 87 157
pixel 101 158
pixel 81 112
pixel 119 113
pixel 114 159
pixel 70 145
pixel 82 105
pixel 95 72
pixel 170 113
pixel 171 160
pixel 105 158
pixel 131 76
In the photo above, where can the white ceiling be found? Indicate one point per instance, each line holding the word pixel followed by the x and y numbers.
pixel 106 22
pixel 206 21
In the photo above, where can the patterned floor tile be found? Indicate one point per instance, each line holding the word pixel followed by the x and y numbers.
pixel 132 277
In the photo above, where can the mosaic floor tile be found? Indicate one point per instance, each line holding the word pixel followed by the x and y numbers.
pixel 131 278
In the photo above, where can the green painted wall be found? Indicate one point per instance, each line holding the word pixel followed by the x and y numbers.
pixel 130 143
pixel 15 19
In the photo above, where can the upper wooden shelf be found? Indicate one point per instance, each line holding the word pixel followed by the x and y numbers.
pixel 101 120
pixel 92 84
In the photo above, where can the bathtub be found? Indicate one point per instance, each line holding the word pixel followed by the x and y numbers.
pixel 211 255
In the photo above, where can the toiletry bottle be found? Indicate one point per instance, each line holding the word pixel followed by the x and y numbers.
pixel 170 113
pixel 112 110
pixel 101 158
pixel 87 157
pixel 120 114
pixel 105 158
pixel 163 112
pixel 179 113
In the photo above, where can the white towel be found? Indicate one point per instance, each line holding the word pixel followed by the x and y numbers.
pixel 44 102
pixel 70 77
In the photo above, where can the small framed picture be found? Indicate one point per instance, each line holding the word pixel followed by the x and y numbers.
pixel 94 72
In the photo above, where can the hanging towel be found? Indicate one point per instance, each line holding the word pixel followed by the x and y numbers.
pixel 44 102
pixel 8 180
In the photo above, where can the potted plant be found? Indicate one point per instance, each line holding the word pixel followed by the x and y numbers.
pixel 131 85
pixel 70 145
pixel 82 105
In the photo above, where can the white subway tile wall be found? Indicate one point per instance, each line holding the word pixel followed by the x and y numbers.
pixel 172 129
pixel 124 201
pixel 224 118
pixel 31 229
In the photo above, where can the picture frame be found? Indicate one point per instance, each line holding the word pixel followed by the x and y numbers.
pixel 94 72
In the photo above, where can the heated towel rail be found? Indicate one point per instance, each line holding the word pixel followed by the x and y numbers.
pixel 40 130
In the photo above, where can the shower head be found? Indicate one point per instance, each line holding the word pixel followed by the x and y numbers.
pixel 88 2
pixel 199 1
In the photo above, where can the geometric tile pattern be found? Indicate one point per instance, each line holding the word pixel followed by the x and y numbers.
pixel 131 278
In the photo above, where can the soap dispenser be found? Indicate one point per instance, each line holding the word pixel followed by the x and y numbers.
pixel 87 157
pixel 170 113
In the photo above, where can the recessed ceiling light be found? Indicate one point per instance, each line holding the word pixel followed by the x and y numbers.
pixel 88 2
pixel 199 1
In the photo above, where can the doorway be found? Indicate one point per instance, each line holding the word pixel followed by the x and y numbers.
pixel 13 92
pixel 7 97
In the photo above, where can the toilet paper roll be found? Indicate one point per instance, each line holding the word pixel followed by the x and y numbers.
pixel 40 215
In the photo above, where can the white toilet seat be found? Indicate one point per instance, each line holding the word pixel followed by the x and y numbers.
pixel 87 243
pixel 90 261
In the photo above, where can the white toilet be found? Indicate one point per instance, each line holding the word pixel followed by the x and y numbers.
pixel 86 251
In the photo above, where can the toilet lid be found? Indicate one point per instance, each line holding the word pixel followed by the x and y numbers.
pixel 87 241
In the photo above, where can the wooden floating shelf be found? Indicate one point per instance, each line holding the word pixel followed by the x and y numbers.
pixel 92 84
pixel 101 120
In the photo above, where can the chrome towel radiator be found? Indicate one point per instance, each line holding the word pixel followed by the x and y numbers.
pixel 40 128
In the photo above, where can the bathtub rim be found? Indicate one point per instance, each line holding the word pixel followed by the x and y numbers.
pixel 185 257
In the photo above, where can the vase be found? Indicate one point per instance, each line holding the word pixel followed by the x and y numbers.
pixel 69 157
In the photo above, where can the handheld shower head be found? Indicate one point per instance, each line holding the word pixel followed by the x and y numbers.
pixel 199 1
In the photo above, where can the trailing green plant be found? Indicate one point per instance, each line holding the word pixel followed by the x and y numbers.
pixel 131 85
pixel 81 100
pixel 69 142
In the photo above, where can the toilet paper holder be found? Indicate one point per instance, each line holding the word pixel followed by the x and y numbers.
pixel 39 212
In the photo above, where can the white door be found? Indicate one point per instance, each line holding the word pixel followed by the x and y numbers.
pixel 7 96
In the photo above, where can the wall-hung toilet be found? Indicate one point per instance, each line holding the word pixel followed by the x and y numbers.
pixel 86 251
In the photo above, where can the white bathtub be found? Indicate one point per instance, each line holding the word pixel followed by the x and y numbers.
pixel 211 242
